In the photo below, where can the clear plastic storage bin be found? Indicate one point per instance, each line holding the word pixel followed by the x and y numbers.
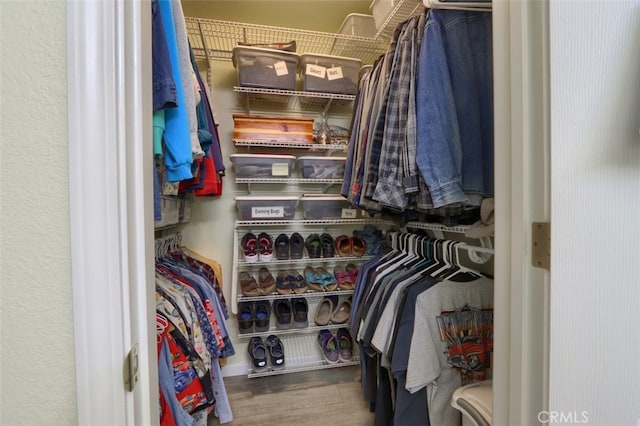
pixel 329 74
pixel 320 206
pixel 262 165
pixel 266 207
pixel 321 167
pixel 358 24
pixel 265 68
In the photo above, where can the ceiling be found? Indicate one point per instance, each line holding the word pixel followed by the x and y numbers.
pixel 316 15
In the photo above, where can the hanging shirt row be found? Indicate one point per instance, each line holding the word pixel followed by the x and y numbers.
pixel 424 327
pixel 192 336
pixel 421 136
pixel 185 139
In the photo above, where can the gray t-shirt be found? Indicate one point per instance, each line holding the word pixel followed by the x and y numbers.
pixel 428 356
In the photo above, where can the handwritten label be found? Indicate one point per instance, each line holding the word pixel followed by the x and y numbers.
pixel 334 73
pixel 316 71
pixel 349 213
pixel 281 68
pixel 267 212
pixel 280 169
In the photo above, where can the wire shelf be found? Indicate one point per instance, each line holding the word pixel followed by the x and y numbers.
pixel 289 181
pixel 308 294
pixel 290 145
pixel 306 330
pixel 215 39
pixel 303 222
pixel 307 260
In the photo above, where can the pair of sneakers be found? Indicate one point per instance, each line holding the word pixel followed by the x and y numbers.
pixel 258 248
pixel 261 352
pixel 336 347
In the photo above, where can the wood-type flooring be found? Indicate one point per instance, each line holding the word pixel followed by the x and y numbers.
pixel 328 397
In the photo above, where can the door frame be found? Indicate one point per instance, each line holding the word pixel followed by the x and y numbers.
pixel 522 146
pixel 111 213
pixel 112 226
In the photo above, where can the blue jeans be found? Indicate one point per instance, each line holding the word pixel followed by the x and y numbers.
pixel 454 103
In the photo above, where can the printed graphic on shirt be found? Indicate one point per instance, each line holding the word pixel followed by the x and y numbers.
pixel 468 334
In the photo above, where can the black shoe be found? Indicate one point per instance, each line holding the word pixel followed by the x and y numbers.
pixel 328 245
pixel 282 247
pixel 258 354
pixel 276 352
pixel 296 244
pixel 262 314
pixel 282 310
pixel 245 317
pixel 300 308
pixel 313 246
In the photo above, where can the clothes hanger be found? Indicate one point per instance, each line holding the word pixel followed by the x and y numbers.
pixel 459 268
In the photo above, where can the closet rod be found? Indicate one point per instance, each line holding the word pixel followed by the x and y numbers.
pixel 477 249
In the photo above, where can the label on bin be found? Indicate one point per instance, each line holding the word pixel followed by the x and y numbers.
pixel 334 73
pixel 315 71
pixel 281 68
pixel 267 212
pixel 349 213
pixel 280 169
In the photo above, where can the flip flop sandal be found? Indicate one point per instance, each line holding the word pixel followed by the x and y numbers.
pixel 249 246
pixel 358 246
pixel 352 270
pixel 296 282
pixel 313 280
pixel 266 282
pixel 329 282
pixel 265 247
pixel 282 283
pixel 344 279
pixel 343 246
pixel 282 247
pixel 248 285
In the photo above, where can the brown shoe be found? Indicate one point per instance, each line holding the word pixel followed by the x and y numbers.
pixel 266 282
pixel 248 285
pixel 323 312
pixel 341 313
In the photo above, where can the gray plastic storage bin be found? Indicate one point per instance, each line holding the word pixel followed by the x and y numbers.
pixel 320 206
pixel 321 167
pixel 262 165
pixel 266 207
pixel 329 74
pixel 359 25
pixel 265 68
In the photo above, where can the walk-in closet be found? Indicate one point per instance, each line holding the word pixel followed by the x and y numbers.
pixel 338 211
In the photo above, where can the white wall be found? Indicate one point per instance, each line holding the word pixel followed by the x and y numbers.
pixel 595 271
pixel 38 372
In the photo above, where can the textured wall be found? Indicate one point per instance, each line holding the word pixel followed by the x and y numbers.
pixel 38 373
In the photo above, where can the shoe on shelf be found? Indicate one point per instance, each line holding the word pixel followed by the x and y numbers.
pixel 258 354
pixel 343 246
pixel 245 317
pixel 283 286
pixel 266 282
pixel 276 352
pixel 313 246
pixel 345 345
pixel 328 245
pixel 345 281
pixel 296 246
pixel 314 281
pixel 265 247
pixel 328 346
pixel 300 308
pixel 297 284
pixel 249 245
pixel 248 284
pixel 282 247
pixel 327 279
pixel 352 270
pixel 323 312
pixel 282 311
pixel 341 312
pixel 358 246
pixel 262 315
